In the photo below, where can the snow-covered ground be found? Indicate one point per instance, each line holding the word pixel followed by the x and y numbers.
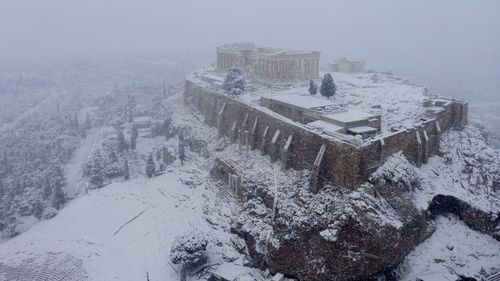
pixel 452 250
pixel 74 169
pixel 124 231
pixel 399 102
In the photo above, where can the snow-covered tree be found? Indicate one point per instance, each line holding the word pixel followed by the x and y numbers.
pixel 130 116
pixel 126 173
pixel 58 198
pixel 47 188
pixel 133 137
pixel 121 144
pixel 168 158
pixel 150 166
pixel 95 172
pixel 328 87
pixel 88 124
pixel 75 122
pixel 38 209
pixel 189 251
pixel 2 191
pixel 234 83
pixel 158 155
pixel 313 88
pixel 182 150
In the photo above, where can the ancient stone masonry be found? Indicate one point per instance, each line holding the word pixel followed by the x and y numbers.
pixel 330 160
pixel 274 64
pixel 226 172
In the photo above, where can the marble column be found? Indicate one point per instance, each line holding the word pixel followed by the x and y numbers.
pixel 317 68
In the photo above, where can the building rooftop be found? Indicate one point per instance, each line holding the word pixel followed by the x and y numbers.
pixel 302 100
pixel 362 130
pixel 326 126
pixel 349 115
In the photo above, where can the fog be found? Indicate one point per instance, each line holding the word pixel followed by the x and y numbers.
pixel 451 46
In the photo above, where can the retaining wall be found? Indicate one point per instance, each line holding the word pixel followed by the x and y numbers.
pixel 342 164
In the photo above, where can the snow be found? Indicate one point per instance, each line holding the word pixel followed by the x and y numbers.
pixel 230 271
pixel 92 228
pixel 329 234
pixel 452 250
pixel 302 100
pixel 396 100
pixel 347 115
pixel 362 129
pixel 326 126
pixel 74 169
pixel 468 170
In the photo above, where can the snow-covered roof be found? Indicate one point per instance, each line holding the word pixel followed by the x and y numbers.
pixel 213 77
pixel 362 130
pixel 302 100
pixel 349 115
pixel 326 126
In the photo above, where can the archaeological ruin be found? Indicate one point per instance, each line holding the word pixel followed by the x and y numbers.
pixel 339 144
pixel 273 64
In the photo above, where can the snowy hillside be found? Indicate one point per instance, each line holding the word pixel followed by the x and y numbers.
pixel 123 229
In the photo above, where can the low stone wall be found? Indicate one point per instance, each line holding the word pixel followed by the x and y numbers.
pixel 486 223
pixel 340 163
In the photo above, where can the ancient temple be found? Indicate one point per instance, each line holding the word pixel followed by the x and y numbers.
pixel 274 64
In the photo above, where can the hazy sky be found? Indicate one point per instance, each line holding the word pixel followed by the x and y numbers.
pixel 445 41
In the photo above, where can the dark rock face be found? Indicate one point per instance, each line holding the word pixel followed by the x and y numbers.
pixel 487 223
pixel 360 246
pixel 361 251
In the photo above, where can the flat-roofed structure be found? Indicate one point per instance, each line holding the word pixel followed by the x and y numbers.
pixel 323 114
pixel 274 64
pixel 348 66
pixel 298 107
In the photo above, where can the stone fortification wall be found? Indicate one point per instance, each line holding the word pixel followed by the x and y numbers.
pixel 296 147
pixel 329 160
pixel 417 143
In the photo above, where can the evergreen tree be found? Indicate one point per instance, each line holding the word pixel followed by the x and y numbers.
pixel 58 199
pixel 38 209
pixel 83 133
pixel 133 137
pixel 328 86
pixel 76 124
pixel 2 191
pixel 313 88
pixel 88 124
pixel 150 166
pixel 126 173
pixel 189 251
pixel 121 144
pixel 96 170
pixel 234 83
pixel 47 188
pixel 158 155
pixel 182 152
pixel 130 116
pixel 167 157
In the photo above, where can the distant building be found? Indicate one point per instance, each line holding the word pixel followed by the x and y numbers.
pixel 273 64
pixel 348 66
pixel 142 122
pixel 323 114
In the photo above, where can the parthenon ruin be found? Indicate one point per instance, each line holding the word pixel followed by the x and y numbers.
pixel 273 64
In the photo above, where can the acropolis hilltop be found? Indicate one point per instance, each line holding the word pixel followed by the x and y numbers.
pixel 371 116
